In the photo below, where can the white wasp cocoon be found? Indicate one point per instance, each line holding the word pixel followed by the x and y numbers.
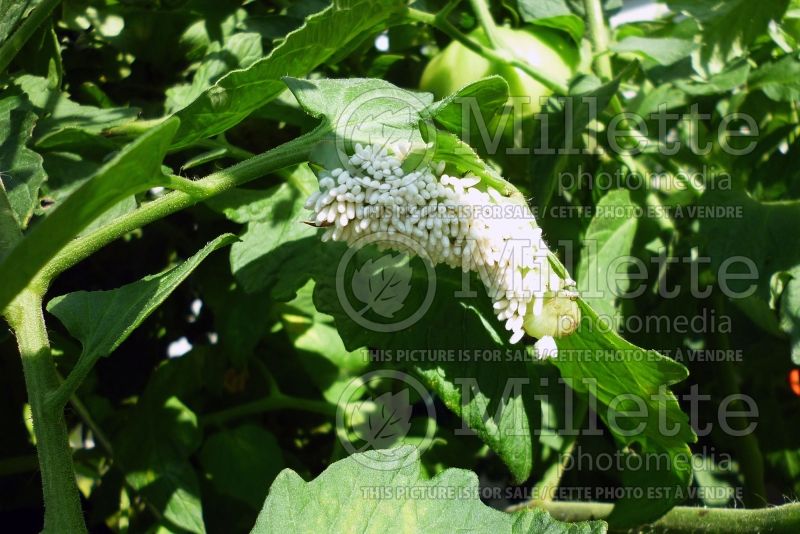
pixel 459 221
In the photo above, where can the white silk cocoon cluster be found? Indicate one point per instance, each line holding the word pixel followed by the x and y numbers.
pixel 458 221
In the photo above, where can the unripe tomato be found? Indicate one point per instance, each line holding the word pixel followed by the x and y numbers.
pixel 544 49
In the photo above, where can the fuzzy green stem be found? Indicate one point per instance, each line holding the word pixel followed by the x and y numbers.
pixel 598 32
pixel 14 44
pixel 441 23
pixel 486 20
pixel 688 519
pixel 291 153
pixel 62 503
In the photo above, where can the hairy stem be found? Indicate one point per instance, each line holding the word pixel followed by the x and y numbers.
pixel 441 23
pixel 14 44
pixel 598 33
pixel 291 153
pixel 61 500
pixel 687 519
pixel 486 20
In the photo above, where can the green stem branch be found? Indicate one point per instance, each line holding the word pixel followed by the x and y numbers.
pixel 688 519
pixel 62 502
pixel 14 44
pixel 441 23
pixel 486 20
pixel 598 33
pixel 291 153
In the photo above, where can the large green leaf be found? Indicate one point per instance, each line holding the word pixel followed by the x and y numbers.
pixel 240 92
pixel 61 113
pixel 493 398
pixel 350 496
pixel 101 320
pixel 489 94
pixel 9 227
pixel 608 238
pixel 135 168
pixel 780 80
pixel 12 10
pixel 663 50
pixel 276 245
pixel 623 378
pixel 365 111
pixel 553 14
pixel 20 167
pixel 729 27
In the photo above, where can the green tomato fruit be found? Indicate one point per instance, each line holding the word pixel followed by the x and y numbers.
pixel 544 49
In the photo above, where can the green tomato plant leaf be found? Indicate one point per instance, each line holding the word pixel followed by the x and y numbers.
pixel 632 386
pixel 353 496
pixel 488 95
pixel 10 232
pixel 780 80
pixel 728 28
pixel 101 320
pixel 12 11
pixel 608 238
pixel 240 92
pixel 135 168
pixel 663 50
pixel 553 14
pixel 20 167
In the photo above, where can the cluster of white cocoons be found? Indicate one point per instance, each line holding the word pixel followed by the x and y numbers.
pixel 458 221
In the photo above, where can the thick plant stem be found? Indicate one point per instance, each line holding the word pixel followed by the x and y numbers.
pixel 598 32
pixel 481 10
pixel 689 519
pixel 62 506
